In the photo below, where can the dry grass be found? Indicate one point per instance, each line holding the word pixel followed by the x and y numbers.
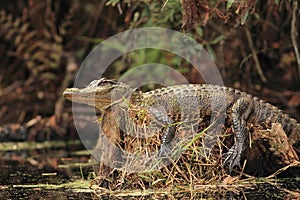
pixel 188 170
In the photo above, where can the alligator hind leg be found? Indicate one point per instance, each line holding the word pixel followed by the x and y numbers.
pixel 233 156
pixel 241 111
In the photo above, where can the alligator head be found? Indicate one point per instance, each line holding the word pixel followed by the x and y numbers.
pixel 99 93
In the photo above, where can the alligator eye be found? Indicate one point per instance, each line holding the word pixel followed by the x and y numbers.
pixel 101 82
pixel 94 83
pixel 104 80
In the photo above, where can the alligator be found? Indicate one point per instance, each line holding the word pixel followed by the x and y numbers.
pixel 167 107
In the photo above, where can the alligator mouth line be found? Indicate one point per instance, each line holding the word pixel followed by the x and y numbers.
pixel 76 95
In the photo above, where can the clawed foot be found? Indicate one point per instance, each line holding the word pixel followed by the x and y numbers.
pixel 233 158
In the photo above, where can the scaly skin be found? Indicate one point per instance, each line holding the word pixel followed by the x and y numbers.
pixel 189 102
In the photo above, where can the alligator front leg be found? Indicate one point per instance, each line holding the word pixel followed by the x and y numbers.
pixel 165 147
pixel 241 111
pixel 169 129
